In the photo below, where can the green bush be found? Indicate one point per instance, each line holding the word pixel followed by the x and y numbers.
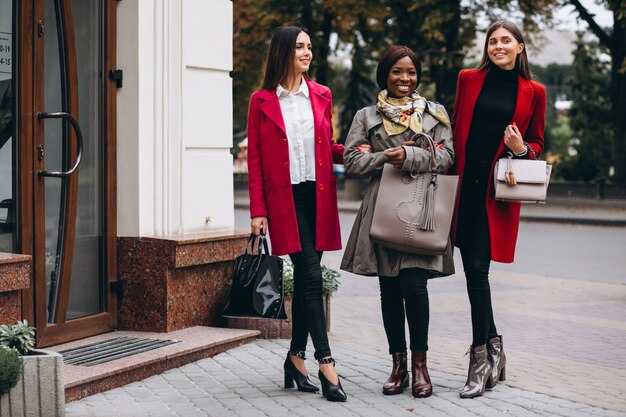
pixel 330 279
pixel 10 369
pixel 20 337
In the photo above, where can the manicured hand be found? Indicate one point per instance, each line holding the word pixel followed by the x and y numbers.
pixel 258 225
pixel 396 156
pixel 513 138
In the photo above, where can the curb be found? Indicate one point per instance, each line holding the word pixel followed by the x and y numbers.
pixel 585 221
pixel 575 220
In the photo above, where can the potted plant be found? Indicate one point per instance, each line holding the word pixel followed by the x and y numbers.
pixel 38 389
pixel 10 369
pixel 281 329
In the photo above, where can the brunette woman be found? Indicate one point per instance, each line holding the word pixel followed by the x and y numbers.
pixel 499 110
pixel 292 192
pixel 387 128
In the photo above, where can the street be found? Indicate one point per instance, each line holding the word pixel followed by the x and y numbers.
pixel 593 253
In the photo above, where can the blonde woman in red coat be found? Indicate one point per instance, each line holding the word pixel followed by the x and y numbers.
pixel 292 192
pixel 498 110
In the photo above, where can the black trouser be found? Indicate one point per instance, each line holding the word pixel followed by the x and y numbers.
pixel 307 308
pixel 405 295
pixel 475 248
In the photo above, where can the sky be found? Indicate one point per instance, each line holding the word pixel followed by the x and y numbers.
pixel 557 44
pixel 570 20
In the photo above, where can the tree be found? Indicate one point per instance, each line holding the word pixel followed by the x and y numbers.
pixel 439 31
pixel 248 55
pixel 556 79
pixel 590 114
pixel 254 22
pixel 614 40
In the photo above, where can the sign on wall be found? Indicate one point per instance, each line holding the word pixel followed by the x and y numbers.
pixel 6 53
pixel 6 39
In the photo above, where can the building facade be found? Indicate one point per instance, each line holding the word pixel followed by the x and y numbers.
pixel 116 189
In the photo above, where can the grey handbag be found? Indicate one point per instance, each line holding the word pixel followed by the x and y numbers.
pixel 413 212
pixel 521 180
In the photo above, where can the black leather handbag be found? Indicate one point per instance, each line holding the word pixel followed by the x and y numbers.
pixel 257 285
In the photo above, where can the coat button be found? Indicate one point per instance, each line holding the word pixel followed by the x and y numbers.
pixel 284 138
pixel 285 163
pixel 320 187
pixel 319 162
pixel 319 140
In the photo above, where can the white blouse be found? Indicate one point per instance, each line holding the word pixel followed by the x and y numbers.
pixel 300 129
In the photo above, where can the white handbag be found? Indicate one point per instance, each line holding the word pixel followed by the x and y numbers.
pixel 521 180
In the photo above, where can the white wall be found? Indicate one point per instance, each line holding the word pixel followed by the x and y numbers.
pixel 174 117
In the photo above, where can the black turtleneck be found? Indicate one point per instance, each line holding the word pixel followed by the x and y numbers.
pixel 493 111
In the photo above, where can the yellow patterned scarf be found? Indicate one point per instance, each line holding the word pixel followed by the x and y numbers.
pixel 400 114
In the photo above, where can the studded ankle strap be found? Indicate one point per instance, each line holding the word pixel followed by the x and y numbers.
pixel 298 353
pixel 325 361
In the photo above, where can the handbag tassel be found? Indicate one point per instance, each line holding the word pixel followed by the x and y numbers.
pixel 427 217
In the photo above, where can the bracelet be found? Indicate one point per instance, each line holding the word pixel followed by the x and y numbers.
pixel 524 152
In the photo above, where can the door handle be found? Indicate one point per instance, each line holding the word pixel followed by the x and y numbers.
pixel 79 142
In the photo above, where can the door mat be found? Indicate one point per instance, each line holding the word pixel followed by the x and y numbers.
pixel 111 349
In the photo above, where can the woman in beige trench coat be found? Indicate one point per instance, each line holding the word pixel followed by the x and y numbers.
pixel 387 128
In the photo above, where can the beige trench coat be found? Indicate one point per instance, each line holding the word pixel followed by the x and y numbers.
pixel 361 255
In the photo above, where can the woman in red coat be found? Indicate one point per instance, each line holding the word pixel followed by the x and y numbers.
pixel 498 110
pixel 292 192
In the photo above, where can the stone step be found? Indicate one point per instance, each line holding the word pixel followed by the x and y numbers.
pixel 194 343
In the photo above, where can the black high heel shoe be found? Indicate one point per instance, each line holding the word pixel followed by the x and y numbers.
pixel 332 392
pixel 293 375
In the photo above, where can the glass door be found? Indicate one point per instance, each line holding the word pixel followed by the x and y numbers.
pixel 73 175
pixel 7 127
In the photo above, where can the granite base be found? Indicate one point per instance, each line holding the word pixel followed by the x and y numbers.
pixel 275 329
pixel 15 276
pixel 175 283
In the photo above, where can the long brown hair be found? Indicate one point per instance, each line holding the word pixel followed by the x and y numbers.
pixel 280 56
pixel 521 62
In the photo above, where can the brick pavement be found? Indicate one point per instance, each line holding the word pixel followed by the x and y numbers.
pixel 247 382
pixel 563 338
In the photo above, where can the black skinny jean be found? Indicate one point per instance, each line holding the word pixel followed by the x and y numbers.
pixel 405 295
pixel 307 308
pixel 474 243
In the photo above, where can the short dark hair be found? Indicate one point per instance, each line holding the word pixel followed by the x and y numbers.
pixel 389 57
pixel 521 62
pixel 280 55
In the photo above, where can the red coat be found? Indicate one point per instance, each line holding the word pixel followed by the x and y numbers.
pixel 530 110
pixel 269 180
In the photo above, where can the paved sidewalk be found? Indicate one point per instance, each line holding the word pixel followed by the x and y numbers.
pixel 563 338
pixel 247 382
pixel 556 210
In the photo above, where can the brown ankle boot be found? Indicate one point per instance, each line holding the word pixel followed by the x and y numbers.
pixel 478 374
pixel 399 378
pixel 498 360
pixel 421 387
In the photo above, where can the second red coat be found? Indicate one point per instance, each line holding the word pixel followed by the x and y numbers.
pixel 530 110
pixel 269 180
